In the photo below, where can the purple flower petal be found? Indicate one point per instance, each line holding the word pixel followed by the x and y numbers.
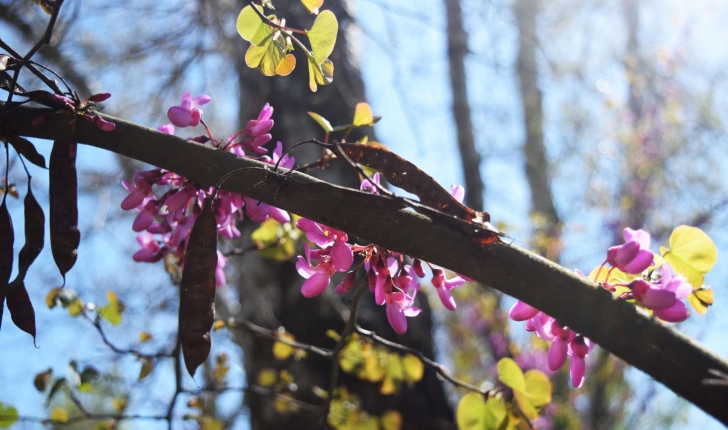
pixel 341 256
pixel 396 317
pixel 521 311
pixel 639 263
pixel 446 298
pixel 577 369
pixel 179 116
pixel 676 313
pixel 316 284
pixel 656 299
pixel 557 355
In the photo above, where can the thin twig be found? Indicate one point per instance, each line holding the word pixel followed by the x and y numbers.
pixel 31 66
pixel 349 329
pixel 138 354
pixel 275 335
pixel 43 40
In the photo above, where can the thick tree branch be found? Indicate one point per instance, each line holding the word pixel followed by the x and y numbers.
pixel 648 344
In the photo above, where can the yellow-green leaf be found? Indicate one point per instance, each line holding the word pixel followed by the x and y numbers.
pixel 692 253
pixel 319 74
pixel 147 367
pixel 282 351
pixel 145 337
pixel 269 231
pixel 266 57
pixel 525 405
pixel 511 374
pixel 323 122
pixel 701 299
pixel 112 312
pixel 267 377
pixel 313 5
pixel 391 420
pixel 59 415
pixel 414 368
pixel 119 403
pixel 218 325
pixel 323 35
pixel 51 297
pixel 363 114
pixel 251 27
pixel 538 388
pixel 474 413
pixel 75 308
pixel 8 415
pixel 210 423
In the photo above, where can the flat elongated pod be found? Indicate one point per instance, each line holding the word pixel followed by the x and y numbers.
pixel 20 307
pixel 63 195
pixel 34 234
pixel 7 238
pixel 197 290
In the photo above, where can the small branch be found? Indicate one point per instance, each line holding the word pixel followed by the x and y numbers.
pixel 138 354
pixel 348 330
pixel 43 40
pixel 31 66
pixel 274 335
pixel 439 368
pixel 176 354
pixel 271 393
pixel 272 24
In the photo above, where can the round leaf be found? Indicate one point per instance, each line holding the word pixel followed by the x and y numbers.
pixel 391 420
pixel 251 27
pixel 323 35
pixel 474 413
pixel 59 415
pixel 538 388
pixel 286 66
pixel 511 375
pixel 8 416
pixel 313 5
pixel 692 253
pixel 363 114
pixel 414 368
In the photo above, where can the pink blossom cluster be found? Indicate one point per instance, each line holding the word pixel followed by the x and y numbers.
pixel 85 109
pixel 658 290
pixel 164 222
pixel 394 283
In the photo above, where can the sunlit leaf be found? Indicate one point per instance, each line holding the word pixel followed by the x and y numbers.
pixel 391 420
pixel 267 377
pixel 313 5
pixel 51 297
pixel 251 27
pixel 145 337
pixel 218 325
pixel 75 308
pixel 222 367
pixel 8 415
pixel 474 413
pixel 414 368
pixel 210 423
pixel 692 253
pixel 59 415
pixel 266 57
pixel 119 403
pixel 323 35
pixel 147 367
pixel 363 114
pixel 112 312
pixel 286 66
pixel 319 74
pixel 281 351
pixel 538 388
pixel 511 374
pixel 323 122
pixel 701 299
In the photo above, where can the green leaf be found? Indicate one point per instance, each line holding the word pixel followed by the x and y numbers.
pixel 313 5
pixel 8 416
pixel 112 312
pixel 323 122
pixel 266 57
pixel 363 115
pixel 692 253
pixel 538 388
pixel 414 368
pixel 268 232
pixel 474 413
pixel 701 299
pixel 275 240
pixel 42 379
pixel 511 375
pixel 59 415
pixel 147 367
pixel 323 35
pixel 251 27
pixel 319 74
pixel 391 420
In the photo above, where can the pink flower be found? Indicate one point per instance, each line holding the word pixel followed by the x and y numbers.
pixel 139 189
pixel 166 128
pixel 443 287
pixel 399 303
pixel 151 251
pixel 635 255
pixel 320 234
pixel 521 311
pixel 219 272
pixel 317 277
pixel 258 129
pixel 366 184
pixel 458 192
pixel 189 112
pixel 678 285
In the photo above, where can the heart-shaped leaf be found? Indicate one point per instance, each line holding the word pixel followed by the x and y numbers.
pixel 323 35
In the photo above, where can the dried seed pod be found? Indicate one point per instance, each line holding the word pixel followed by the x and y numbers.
pixel 6 253
pixel 34 234
pixel 197 290
pixel 21 309
pixel 26 149
pixel 63 195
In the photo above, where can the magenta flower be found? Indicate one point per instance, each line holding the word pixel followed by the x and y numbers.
pixel 366 184
pixel 579 348
pixel 635 255
pixel 521 311
pixel 679 285
pixel 166 128
pixel 317 276
pixel 458 192
pixel 399 303
pixel 219 272
pixel 443 287
pixel 139 189
pixel 320 234
pixel 257 130
pixel 151 251
pixel 188 113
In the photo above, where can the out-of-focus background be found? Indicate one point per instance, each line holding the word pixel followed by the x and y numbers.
pixel 566 120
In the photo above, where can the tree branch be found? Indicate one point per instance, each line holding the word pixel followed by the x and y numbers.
pixel 631 334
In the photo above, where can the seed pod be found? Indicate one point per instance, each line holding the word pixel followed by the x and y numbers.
pixel 21 309
pixel 6 253
pixel 26 149
pixel 63 196
pixel 34 234
pixel 197 290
